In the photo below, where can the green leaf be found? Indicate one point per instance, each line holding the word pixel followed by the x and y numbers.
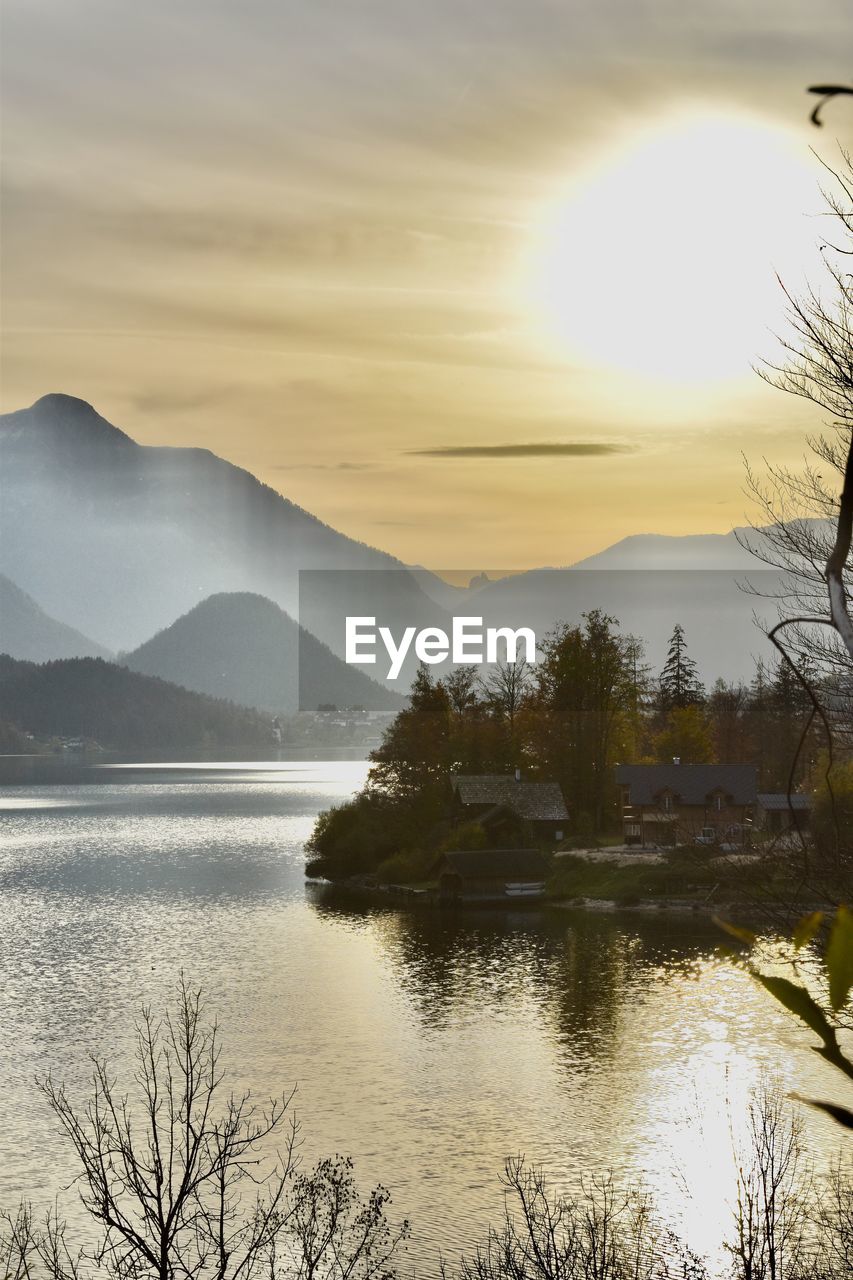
pixel 799 1002
pixel 839 958
pixel 806 929
pixel 735 931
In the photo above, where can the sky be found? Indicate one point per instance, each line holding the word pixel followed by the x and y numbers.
pixel 479 282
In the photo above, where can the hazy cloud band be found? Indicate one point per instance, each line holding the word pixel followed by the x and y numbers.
pixel 577 449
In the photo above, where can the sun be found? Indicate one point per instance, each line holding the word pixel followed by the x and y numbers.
pixel 661 259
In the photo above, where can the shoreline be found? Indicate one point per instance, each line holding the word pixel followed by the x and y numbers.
pixel 649 906
pixel 427 899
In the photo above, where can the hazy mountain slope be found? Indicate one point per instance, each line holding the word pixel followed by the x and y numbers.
pixel 27 632
pixel 711 604
pixel 120 539
pixel 243 647
pixel 648 551
pixel 90 698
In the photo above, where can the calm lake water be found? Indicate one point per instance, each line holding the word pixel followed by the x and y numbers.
pixel 428 1045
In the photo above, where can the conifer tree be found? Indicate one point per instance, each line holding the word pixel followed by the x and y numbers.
pixel 679 684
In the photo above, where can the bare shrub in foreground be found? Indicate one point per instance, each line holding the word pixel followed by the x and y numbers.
pixel 604 1233
pixel 177 1180
pixel 770 1214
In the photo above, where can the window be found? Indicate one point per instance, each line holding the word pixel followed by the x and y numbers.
pixel 718 803
pixel 667 803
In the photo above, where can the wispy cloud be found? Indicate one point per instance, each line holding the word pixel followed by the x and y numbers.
pixel 321 466
pixel 571 449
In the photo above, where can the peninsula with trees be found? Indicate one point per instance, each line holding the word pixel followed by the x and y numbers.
pixel 546 759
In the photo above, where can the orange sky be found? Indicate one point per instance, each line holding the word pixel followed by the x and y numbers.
pixel 453 276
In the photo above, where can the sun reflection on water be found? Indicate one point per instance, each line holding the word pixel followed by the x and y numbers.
pixel 430 1045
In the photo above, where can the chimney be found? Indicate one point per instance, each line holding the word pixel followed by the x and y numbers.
pixel 517 774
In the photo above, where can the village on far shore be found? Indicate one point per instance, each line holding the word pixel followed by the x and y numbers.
pixel 516 850
pixel 588 780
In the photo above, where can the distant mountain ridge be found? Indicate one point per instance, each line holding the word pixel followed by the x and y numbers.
pixel 244 647
pixel 120 539
pixel 653 551
pixel 27 632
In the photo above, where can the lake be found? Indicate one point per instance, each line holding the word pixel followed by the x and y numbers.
pixel 429 1045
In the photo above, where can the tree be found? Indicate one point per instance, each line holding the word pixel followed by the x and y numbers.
pixel 805 525
pixel 679 684
pixel 351 838
pixel 728 714
pixel 505 690
pixel 461 686
pixel 833 813
pixel 582 709
pixel 823 1018
pixel 758 717
pixel 605 1232
pixel 686 736
pixel 415 756
pixel 790 718
pixel 476 741
pixel 176 1178
pixel 770 1240
pixel 826 93
pixel 640 699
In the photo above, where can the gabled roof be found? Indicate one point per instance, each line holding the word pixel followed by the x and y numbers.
pixel 772 801
pixel 535 801
pixel 690 783
pixel 496 864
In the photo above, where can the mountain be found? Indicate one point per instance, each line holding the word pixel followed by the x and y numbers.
pixel 90 698
pixel 724 596
pixel 242 646
pixel 718 609
pixel 710 583
pixel 648 551
pixel 119 539
pixel 27 632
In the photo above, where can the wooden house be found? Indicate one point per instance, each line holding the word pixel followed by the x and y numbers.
pixel 773 812
pixel 670 804
pixel 508 877
pixel 512 811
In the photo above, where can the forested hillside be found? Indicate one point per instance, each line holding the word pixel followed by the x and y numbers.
pixel 93 699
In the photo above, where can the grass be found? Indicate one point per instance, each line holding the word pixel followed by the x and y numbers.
pixel 684 874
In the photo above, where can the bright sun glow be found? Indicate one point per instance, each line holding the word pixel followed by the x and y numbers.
pixel 661 260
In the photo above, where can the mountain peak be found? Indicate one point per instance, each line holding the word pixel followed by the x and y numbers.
pixel 60 403
pixel 65 419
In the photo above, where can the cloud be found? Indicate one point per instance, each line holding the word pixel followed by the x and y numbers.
pixel 321 466
pixel 179 401
pixel 572 449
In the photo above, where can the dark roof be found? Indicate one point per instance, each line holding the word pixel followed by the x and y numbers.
pixel 775 800
pixel 496 864
pixel 691 783
pixel 535 801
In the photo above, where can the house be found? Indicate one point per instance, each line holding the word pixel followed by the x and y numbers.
pixel 510 877
pixel 773 811
pixel 669 804
pixel 512 811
